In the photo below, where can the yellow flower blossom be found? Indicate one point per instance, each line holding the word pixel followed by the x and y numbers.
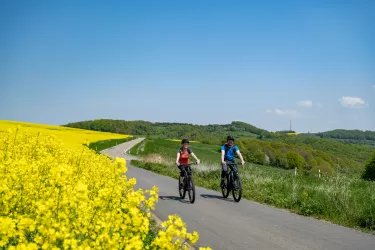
pixel 58 197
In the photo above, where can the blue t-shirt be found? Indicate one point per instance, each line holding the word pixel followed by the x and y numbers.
pixel 229 156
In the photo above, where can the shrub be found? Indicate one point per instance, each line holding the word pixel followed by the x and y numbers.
pixel 295 160
pixel 369 173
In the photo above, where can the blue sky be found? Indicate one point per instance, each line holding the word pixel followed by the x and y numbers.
pixel 199 62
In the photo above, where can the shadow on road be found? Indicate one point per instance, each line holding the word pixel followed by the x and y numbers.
pixel 175 198
pixel 213 196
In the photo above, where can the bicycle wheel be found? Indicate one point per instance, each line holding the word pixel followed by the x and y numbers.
pixel 191 189
pixel 225 189
pixel 237 189
pixel 181 188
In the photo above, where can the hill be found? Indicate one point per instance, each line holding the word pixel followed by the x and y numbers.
pixel 204 133
pixel 258 145
pixel 350 136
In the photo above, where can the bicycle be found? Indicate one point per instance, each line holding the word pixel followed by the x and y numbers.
pixel 188 183
pixel 232 182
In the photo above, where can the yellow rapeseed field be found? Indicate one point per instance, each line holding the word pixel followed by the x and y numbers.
pixel 294 133
pixel 56 197
pixel 71 137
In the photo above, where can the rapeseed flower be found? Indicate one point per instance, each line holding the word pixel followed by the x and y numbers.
pixel 56 197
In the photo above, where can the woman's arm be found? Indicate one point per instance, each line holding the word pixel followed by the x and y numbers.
pixel 178 157
pixel 195 157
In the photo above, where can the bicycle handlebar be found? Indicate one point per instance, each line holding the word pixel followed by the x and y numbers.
pixel 236 163
pixel 193 163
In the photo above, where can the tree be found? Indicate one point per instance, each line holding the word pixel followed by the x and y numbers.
pixel 295 160
pixel 369 173
pixel 281 161
pixel 258 157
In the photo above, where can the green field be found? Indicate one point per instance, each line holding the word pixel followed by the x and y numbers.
pixel 207 153
pixel 344 200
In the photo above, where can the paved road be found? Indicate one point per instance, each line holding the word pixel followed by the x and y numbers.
pixel 224 224
pixel 121 150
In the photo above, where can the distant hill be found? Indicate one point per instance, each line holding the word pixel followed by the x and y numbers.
pixel 325 151
pixel 348 134
pixel 205 133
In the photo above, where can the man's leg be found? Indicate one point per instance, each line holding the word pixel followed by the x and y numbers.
pixel 224 173
pixel 235 172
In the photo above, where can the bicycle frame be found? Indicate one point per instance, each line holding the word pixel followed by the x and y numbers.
pixel 188 173
pixel 231 173
pixel 188 183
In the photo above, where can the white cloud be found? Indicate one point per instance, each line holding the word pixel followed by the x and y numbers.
pixel 305 104
pixel 352 102
pixel 286 112
pixel 319 105
pixel 373 86
pixel 283 112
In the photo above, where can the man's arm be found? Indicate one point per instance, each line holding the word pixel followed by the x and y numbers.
pixel 240 155
pixel 222 156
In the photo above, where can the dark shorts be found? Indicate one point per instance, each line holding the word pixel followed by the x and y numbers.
pixel 224 167
pixel 183 168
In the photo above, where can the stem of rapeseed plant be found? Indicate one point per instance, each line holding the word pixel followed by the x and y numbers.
pixel 21 200
pixel 6 149
pixel 92 219
pixel 79 161
pixel 58 203
pixel 14 142
pixel 36 144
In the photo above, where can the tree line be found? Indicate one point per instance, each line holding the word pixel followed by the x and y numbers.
pixel 204 133
pixel 258 145
pixel 301 156
pixel 348 134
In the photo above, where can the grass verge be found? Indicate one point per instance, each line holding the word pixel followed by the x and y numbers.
pixel 101 145
pixel 345 201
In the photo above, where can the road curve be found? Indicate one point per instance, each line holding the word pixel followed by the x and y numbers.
pixel 224 224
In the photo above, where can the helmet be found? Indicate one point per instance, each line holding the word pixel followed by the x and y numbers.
pixel 230 138
pixel 184 141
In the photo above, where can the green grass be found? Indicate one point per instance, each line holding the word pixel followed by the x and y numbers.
pixel 342 199
pixel 206 153
pixel 152 233
pixel 101 145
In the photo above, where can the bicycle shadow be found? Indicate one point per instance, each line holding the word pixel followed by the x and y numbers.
pixel 213 196
pixel 174 198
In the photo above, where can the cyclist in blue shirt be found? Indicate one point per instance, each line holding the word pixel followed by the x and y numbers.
pixel 228 152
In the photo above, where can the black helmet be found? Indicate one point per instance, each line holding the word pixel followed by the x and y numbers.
pixel 184 141
pixel 230 138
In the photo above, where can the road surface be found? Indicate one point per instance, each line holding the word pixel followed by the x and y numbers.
pixel 225 224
